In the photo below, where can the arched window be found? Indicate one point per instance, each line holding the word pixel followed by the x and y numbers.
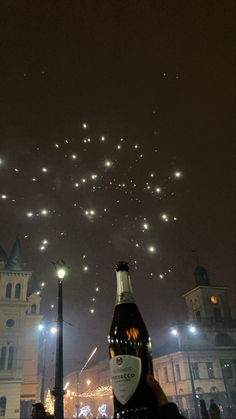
pixel 214 389
pixel 3 357
pixel 8 290
pixel 17 291
pixel 3 403
pixel 33 309
pixel 10 358
pixel 199 390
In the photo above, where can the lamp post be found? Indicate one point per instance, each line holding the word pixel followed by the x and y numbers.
pixel 58 391
pixel 175 331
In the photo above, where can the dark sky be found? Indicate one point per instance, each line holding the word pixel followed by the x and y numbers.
pixel 157 74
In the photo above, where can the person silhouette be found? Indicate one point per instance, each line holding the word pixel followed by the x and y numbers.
pixel 214 410
pixel 203 410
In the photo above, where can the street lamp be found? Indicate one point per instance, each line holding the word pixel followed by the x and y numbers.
pixel 176 332
pixel 58 391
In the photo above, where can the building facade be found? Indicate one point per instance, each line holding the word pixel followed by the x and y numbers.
pixel 19 318
pixel 197 362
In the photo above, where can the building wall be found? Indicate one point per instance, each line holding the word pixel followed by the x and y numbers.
pixel 12 393
pixel 18 330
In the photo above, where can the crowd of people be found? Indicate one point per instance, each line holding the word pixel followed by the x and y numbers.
pixel 165 409
pixel 216 411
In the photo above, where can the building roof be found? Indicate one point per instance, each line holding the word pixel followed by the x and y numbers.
pixel 201 275
pixel 3 255
pixel 14 262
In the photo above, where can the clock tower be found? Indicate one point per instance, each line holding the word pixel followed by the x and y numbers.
pixel 19 318
pixel 207 304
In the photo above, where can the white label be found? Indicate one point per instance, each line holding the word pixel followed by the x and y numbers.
pixel 125 376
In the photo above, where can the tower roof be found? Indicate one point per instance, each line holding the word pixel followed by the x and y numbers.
pixel 14 261
pixel 201 275
pixel 3 255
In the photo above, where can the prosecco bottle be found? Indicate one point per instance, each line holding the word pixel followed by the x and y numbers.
pixel 130 354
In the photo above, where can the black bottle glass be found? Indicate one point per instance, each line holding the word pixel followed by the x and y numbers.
pixel 130 354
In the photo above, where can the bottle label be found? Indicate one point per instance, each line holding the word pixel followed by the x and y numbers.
pixel 125 376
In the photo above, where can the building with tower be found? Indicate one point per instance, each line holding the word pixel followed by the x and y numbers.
pixel 197 362
pixel 201 364
pixel 19 318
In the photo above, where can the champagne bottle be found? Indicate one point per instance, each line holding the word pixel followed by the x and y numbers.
pixel 130 354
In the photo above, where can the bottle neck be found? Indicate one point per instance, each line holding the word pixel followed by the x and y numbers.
pixel 124 292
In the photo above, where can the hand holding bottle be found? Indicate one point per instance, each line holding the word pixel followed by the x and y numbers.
pixel 159 393
pixel 165 410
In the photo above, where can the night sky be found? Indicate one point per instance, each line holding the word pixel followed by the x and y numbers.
pixel 117 143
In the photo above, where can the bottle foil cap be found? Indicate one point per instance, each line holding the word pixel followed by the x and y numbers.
pixel 122 266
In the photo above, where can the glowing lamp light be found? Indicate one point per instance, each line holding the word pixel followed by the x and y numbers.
pixel 53 330
pixel 44 212
pixel 88 382
pixel 192 329
pixel 61 272
pixel 174 332
pixel 40 327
